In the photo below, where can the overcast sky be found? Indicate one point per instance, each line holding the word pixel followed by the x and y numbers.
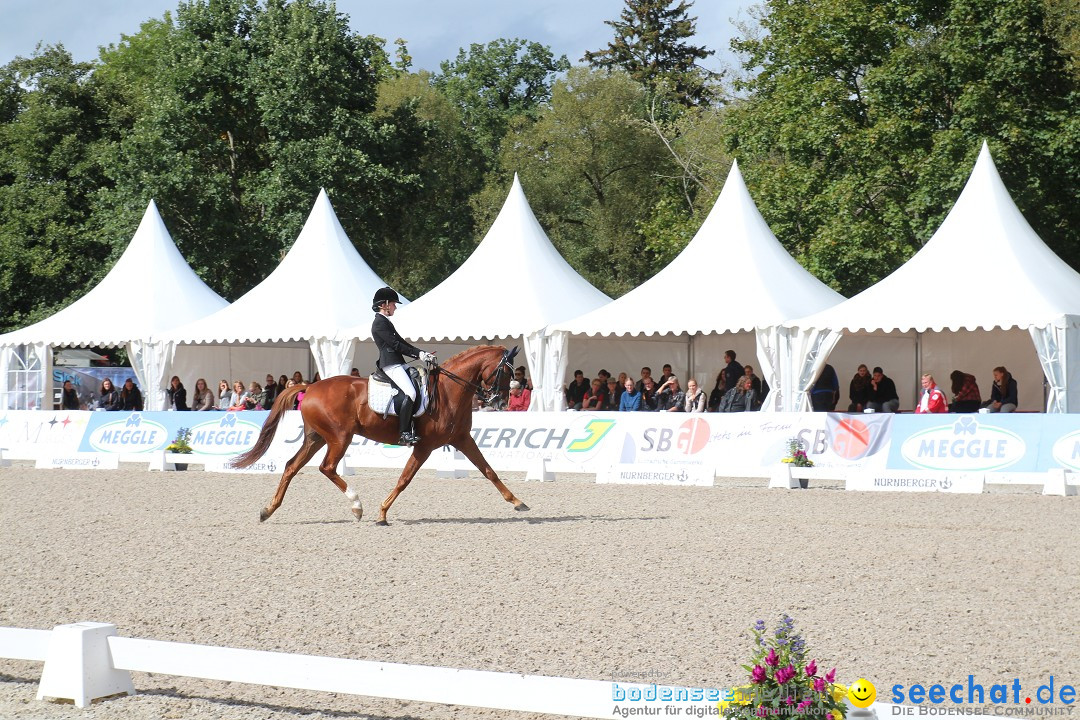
pixel 434 29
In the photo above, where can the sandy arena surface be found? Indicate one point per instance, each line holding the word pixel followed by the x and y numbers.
pixel 597 581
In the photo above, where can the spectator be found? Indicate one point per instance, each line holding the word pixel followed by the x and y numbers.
pixel 130 397
pixel 732 372
pixel 648 394
pixel 224 395
pixel 604 376
pixel 355 372
pixel 177 394
pixel 613 394
pixel 110 396
pixel 646 372
pixel 520 397
pixel 694 400
pixel 630 400
pixel 670 397
pixel 717 394
pixel 296 401
pixel 317 378
pixel 739 398
pixel 933 400
pixel 297 378
pixel 825 392
pixel 519 375
pixel 270 392
pixel 859 389
pixel 595 396
pixel 966 396
pixel 282 383
pixel 255 397
pixel 1003 393
pixel 759 386
pixel 69 398
pixel 665 376
pixel 203 399
pixel 239 396
pixel 575 392
pixel 882 396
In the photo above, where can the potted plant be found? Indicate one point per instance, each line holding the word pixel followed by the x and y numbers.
pixel 797 457
pixel 181 445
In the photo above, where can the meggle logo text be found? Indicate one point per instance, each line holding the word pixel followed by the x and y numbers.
pixel 964 445
pixel 226 436
pixel 133 434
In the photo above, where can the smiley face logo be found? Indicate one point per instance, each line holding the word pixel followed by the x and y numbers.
pixel 862 693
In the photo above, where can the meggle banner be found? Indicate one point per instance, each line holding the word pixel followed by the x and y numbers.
pixel 212 433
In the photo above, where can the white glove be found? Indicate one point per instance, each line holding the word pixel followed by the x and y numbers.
pixel 427 357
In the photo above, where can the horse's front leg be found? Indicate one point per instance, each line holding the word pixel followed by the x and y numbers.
pixel 469 449
pixel 419 455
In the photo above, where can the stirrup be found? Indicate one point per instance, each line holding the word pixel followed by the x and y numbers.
pixel 408 438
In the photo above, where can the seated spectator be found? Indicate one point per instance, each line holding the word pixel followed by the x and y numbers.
pixel 239 396
pixel 296 401
pixel 520 397
pixel 648 394
pixel 575 391
pixel 519 375
pixel 69 398
pixel 317 378
pixel 966 396
pixel 604 376
pixel 732 372
pixel 355 372
pixel 882 396
pixel 255 397
pixel 759 386
pixel 825 392
pixel 717 393
pixel 225 396
pixel 739 398
pixel 859 390
pixel 177 394
pixel 297 378
pixel 1003 393
pixel 614 394
pixel 646 372
pixel 130 396
pixel 595 396
pixel 203 399
pixel 282 383
pixel 110 396
pixel 270 392
pixel 669 396
pixel 694 400
pixel 932 400
pixel 630 400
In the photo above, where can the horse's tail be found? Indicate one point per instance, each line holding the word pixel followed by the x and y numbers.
pixel 284 402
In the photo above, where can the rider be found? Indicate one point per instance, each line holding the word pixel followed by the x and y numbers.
pixel 391 349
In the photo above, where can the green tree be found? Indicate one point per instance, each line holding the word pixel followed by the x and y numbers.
pixel 493 84
pixel 651 44
pixel 861 121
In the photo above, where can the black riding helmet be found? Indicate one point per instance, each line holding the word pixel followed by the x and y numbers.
pixel 384 295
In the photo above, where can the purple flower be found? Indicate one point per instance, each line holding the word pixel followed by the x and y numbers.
pixel 802 707
pixel 772 659
pixel 830 716
pixel 830 676
pixel 819 685
pixel 811 668
pixel 759 626
pixel 789 701
pixel 758 675
pixel 761 711
pixel 785 674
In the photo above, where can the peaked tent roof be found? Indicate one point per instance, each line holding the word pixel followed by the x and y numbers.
pixel 545 291
pixel 1010 277
pixel 149 291
pixel 765 287
pixel 321 285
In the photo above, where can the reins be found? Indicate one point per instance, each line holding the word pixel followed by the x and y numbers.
pixel 486 394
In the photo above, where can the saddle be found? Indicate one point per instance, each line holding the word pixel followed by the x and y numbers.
pixel 385 396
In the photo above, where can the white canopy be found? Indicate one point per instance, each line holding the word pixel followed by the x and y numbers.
pixel 984 269
pixel 321 286
pixel 733 276
pixel 149 291
pixel 526 284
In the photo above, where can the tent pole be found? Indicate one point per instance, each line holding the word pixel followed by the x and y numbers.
pixel 918 362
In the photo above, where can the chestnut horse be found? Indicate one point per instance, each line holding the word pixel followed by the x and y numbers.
pixel 337 408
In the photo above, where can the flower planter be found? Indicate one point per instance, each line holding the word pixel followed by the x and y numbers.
pixel 178 460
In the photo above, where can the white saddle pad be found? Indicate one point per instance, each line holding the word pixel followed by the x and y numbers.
pixel 381 396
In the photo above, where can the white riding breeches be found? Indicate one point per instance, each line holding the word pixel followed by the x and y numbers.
pixel 400 375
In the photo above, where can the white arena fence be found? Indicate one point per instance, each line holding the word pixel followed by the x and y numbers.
pixel 87 661
pixel 950 453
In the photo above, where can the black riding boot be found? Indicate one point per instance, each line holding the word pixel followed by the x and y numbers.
pixel 405 423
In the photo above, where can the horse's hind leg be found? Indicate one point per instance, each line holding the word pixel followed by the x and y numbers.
pixel 312 443
pixel 468 449
pixel 412 466
pixel 335 450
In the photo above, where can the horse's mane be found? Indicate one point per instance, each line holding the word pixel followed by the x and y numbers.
pixel 467 351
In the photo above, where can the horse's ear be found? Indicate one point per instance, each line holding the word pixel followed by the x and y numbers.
pixel 512 354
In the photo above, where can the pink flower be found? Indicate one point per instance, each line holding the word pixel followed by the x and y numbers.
pixel 819 685
pixel 785 674
pixel 829 716
pixel 830 677
pixel 811 668
pixel 772 658
pixel 789 701
pixel 758 675
pixel 802 707
pixel 761 711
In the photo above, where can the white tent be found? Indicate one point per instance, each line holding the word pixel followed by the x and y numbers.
pixel 964 301
pixel 733 277
pixel 523 282
pixel 149 291
pixel 320 286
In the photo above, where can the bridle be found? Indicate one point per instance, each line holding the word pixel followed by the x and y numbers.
pixel 493 382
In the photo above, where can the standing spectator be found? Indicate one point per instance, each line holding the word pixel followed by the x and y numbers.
pixel 859 390
pixel 575 392
pixel 670 397
pixel 966 396
pixel 882 396
pixel 732 372
pixel 203 399
pixel 630 400
pixel 177 394
pixel 825 392
pixel 1003 393
pixel 596 396
pixel 933 400
pixel 519 375
pixel 110 396
pixel 759 386
pixel 225 396
pixel 131 396
pixel 520 397
pixel 695 399
pixel 69 398
pixel 717 394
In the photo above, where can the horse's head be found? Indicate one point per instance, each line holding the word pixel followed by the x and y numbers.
pixel 496 373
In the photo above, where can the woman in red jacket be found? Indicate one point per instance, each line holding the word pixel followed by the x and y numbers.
pixel 933 400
